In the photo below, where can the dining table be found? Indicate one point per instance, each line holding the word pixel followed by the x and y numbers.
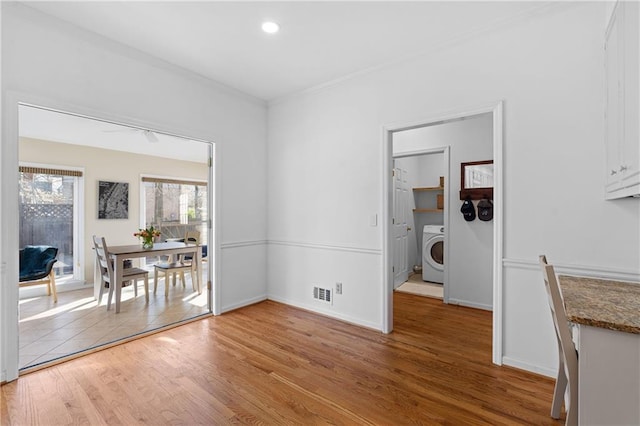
pixel 606 316
pixel 119 254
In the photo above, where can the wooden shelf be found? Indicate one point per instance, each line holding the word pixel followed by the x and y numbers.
pixel 476 193
pixel 429 188
pixel 428 210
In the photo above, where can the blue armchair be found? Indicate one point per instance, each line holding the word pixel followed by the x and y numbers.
pixel 36 267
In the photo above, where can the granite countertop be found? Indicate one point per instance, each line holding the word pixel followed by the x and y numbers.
pixel 614 305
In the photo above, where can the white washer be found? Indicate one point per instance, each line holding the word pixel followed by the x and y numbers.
pixel 433 253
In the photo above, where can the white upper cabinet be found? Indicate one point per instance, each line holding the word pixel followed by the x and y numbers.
pixel 622 111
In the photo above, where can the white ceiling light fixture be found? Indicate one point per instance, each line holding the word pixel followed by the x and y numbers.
pixel 270 27
pixel 151 137
pixel 148 134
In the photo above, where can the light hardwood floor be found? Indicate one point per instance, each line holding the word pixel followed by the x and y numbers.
pixel 273 364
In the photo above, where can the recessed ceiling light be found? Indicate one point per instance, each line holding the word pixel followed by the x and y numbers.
pixel 270 27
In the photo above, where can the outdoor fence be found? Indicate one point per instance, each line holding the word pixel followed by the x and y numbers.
pixel 50 225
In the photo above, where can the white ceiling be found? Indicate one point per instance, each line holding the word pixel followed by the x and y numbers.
pixel 53 126
pixel 319 42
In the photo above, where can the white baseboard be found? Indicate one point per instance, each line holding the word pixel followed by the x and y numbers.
pixel 328 313
pixel 243 303
pixel 470 304
pixel 522 365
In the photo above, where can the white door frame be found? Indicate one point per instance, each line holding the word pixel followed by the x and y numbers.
pixel 9 294
pixel 445 150
pixel 496 109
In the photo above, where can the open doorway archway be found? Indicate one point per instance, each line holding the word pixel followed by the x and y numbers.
pixel 496 112
pixel 10 162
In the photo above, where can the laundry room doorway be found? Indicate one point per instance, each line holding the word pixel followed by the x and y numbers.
pixel 470 249
pixel 420 179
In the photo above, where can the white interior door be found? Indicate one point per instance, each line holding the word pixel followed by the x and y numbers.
pixel 400 227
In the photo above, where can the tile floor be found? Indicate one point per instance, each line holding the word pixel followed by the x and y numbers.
pixel 52 330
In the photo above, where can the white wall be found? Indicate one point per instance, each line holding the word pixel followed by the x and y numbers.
pixel 325 159
pixel 431 168
pixel 470 251
pixel 47 59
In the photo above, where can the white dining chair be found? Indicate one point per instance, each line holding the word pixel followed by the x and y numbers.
pixel 182 264
pixel 567 355
pixel 105 266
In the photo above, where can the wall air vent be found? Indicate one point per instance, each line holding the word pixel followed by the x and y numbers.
pixel 323 294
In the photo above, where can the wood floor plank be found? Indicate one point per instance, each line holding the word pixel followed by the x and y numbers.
pixel 274 364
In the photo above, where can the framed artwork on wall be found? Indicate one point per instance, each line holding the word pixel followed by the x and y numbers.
pixel 113 200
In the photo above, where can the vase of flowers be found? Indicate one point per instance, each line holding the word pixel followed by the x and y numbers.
pixel 147 235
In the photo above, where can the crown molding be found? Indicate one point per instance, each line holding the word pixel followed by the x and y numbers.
pixel 539 9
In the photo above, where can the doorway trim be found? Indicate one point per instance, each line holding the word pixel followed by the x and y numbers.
pixel 9 295
pixel 447 178
pixel 496 109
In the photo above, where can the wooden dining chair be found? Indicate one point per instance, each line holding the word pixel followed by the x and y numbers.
pixel 182 264
pixel 567 354
pixel 105 266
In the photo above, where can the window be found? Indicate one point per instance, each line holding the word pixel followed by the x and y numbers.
pixel 175 206
pixel 48 214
